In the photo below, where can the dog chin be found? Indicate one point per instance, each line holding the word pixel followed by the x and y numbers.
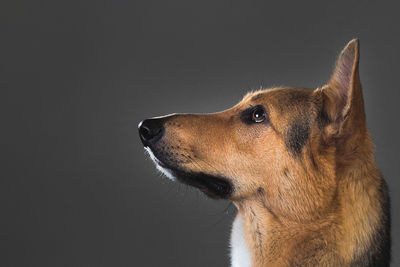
pixel 160 166
pixel 213 186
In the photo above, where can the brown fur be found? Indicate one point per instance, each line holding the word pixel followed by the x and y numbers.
pixel 305 182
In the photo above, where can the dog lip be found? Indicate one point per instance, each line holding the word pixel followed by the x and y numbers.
pixel 162 164
pixel 213 186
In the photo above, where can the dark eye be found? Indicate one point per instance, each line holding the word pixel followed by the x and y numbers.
pixel 258 115
pixel 254 114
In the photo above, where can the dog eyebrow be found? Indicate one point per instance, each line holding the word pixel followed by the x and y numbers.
pixel 256 97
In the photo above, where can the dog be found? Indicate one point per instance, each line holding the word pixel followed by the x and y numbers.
pixel 297 163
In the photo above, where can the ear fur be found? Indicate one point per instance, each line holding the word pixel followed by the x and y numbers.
pixel 342 96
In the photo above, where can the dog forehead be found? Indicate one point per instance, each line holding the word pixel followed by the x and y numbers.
pixel 280 97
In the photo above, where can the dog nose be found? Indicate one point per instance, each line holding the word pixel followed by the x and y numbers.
pixel 151 130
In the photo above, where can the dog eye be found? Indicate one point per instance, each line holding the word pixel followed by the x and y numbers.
pixel 254 114
pixel 258 115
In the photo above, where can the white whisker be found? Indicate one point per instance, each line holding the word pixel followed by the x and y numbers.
pixel 161 169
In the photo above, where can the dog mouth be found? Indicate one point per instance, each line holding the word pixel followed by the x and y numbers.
pixel 213 186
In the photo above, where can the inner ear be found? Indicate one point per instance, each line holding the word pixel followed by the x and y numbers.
pixel 341 93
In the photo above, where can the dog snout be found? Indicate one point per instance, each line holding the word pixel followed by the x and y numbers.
pixel 150 131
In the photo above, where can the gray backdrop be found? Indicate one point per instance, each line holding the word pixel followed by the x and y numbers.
pixel 77 77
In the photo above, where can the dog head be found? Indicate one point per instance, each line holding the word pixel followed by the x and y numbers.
pixel 281 143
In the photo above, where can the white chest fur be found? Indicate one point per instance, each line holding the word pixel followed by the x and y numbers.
pixel 240 256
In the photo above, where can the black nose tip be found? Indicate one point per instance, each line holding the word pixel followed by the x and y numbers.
pixel 150 130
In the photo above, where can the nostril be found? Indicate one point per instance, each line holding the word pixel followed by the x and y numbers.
pixel 150 130
pixel 145 132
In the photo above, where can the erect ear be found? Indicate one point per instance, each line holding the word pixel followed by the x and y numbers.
pixel 342 95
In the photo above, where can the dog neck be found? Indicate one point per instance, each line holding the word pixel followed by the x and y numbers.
pixel 340 238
